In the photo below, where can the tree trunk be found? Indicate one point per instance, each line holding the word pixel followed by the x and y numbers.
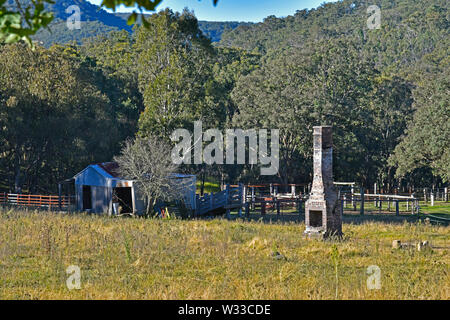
pixel 17 184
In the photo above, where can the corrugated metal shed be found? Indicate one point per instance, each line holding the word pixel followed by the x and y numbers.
pixel 97 184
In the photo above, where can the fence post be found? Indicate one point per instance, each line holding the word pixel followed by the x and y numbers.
pixel 397 209
pixel 361 210
pixel 211 201
pixel 263 207
pixel 375 192
pixel 416 206
pixel 425 195
pixel 293 190
pixel 342 206
pixel 432 198
pixel 253 198
pixel 247 210
pixel 278 207
pixel 445 194
pixel 242 196
pixel 197 205
pixel 299 207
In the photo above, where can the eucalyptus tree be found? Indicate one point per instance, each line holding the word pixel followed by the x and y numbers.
pixel 324 83
pixel 174 66
pixel 54 116
pixel 427 139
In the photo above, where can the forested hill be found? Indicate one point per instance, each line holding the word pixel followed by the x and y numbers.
pixel 410 30
pixel 385 92
pixel 96 21
pixel 212 29
pixel 89 12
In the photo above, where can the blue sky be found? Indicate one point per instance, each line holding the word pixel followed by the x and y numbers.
pixel 236 10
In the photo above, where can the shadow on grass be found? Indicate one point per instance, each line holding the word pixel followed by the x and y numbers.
pixel 292 217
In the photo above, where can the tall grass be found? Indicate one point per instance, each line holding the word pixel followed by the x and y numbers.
pixel 213 259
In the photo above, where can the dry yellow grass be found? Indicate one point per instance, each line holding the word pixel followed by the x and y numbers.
pixel 214 259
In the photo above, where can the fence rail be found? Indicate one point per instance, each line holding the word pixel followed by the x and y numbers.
pixel 226 199
pixel 33 200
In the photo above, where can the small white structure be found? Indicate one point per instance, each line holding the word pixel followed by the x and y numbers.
pixel 98 186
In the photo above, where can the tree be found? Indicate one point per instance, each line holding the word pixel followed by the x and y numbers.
pixel 114 55
pixel 147 161
pixel 175 74
pixel 24 21
pixel 325 83
pixel 55 117
pixel 427 139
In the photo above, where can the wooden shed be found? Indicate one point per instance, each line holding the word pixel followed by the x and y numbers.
pixel 98 186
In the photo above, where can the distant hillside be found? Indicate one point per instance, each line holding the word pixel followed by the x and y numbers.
pixel 412 34
pixel 212 29
pixel 59 33
pixel 94 21
pixel 97 21
pixel 89 12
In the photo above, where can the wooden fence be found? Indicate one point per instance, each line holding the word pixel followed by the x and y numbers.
pixel 227 199
pixel 36 201
pixel 381 202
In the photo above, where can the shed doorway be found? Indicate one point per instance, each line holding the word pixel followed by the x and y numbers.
pixel 122 195
pixel 87 198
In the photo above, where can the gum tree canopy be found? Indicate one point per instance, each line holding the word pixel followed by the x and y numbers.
pixel 21 19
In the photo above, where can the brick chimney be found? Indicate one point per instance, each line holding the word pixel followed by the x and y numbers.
pixel 323 216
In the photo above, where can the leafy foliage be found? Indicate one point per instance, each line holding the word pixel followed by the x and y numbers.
pixel 20 24
pixel 175 76
pixel 384 91
pixel 55 108
pixel 428 135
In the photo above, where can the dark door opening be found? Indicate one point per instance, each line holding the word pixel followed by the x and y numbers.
pixel 315 218
pixel 124 198
pixel 87 198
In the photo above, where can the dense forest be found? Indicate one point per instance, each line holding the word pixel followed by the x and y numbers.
pixel 385 91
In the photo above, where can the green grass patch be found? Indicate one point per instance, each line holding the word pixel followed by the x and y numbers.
pixel 210 186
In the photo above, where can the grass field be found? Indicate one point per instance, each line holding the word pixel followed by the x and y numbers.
pixel 439 209
pixel 132 258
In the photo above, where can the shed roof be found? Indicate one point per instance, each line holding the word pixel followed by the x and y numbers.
pixel 110 170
